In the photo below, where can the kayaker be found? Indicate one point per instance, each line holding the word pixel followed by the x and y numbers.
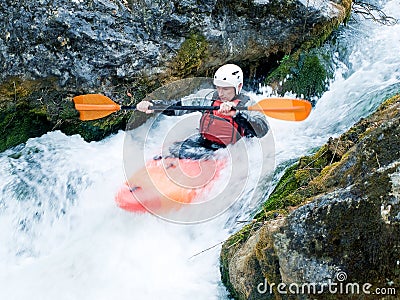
pixel 218 128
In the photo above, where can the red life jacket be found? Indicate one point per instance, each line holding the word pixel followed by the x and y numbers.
pixel 219 128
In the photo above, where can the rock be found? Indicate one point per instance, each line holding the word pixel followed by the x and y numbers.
pixel 242 265
pixel 345 232
pixel 94 42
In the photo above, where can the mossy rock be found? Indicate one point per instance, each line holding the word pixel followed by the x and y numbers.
pixel 304 74
pixel 307 70
pixel 14 89
pixel 31 108
pixel 290 190
pixel 190 56
pixel 19 125
pixel 330 165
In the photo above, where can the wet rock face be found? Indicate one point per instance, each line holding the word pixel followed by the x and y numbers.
pixel 81 41
pixel 341 231
pixel 349 232
pixel 91 43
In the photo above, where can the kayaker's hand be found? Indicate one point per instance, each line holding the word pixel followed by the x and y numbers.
pixel 143 106
pixel 226 108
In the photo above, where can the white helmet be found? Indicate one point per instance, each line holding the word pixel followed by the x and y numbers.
pixel 229 75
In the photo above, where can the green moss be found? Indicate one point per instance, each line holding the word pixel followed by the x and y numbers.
pixel 240 236
pixel 286 185
pixel 39 111
pixel 322 158
pixel 303 176
pixel 287 63
pixel 19 125
pixel 389 102
pixel 22 112
pixel 14 88
pixel 304 74
pixel 300 182
pixel 310 79
pixel 190 56
pixel 68 112
pixel 138 88
pixel 320 182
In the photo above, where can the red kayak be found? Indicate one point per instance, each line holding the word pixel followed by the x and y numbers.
pixel 168 184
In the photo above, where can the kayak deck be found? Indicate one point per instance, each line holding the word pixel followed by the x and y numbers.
pixel 168 184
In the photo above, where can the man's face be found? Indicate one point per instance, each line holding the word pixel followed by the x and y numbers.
pixel 226 93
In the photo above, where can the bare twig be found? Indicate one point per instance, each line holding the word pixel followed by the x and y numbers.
pixel 59 122
pixel 209 248
pixel 372 12
pixel 377 160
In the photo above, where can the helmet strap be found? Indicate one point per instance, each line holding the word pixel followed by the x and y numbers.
pixel 238 88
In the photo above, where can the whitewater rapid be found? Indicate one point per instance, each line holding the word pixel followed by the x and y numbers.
pixel 62 236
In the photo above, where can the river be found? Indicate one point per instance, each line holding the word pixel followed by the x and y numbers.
pixel 63 237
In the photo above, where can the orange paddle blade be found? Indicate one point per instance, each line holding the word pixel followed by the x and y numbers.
pixel 94 106
pixel 283 109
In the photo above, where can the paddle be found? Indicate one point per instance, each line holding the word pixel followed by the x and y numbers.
pixel 96 106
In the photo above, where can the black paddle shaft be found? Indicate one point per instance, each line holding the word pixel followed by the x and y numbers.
pixel 176 107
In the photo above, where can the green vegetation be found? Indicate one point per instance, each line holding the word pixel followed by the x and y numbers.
pixel 304 74
pixel 31 108
pixel 14 89
pixel 19 125
pixel 19 120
